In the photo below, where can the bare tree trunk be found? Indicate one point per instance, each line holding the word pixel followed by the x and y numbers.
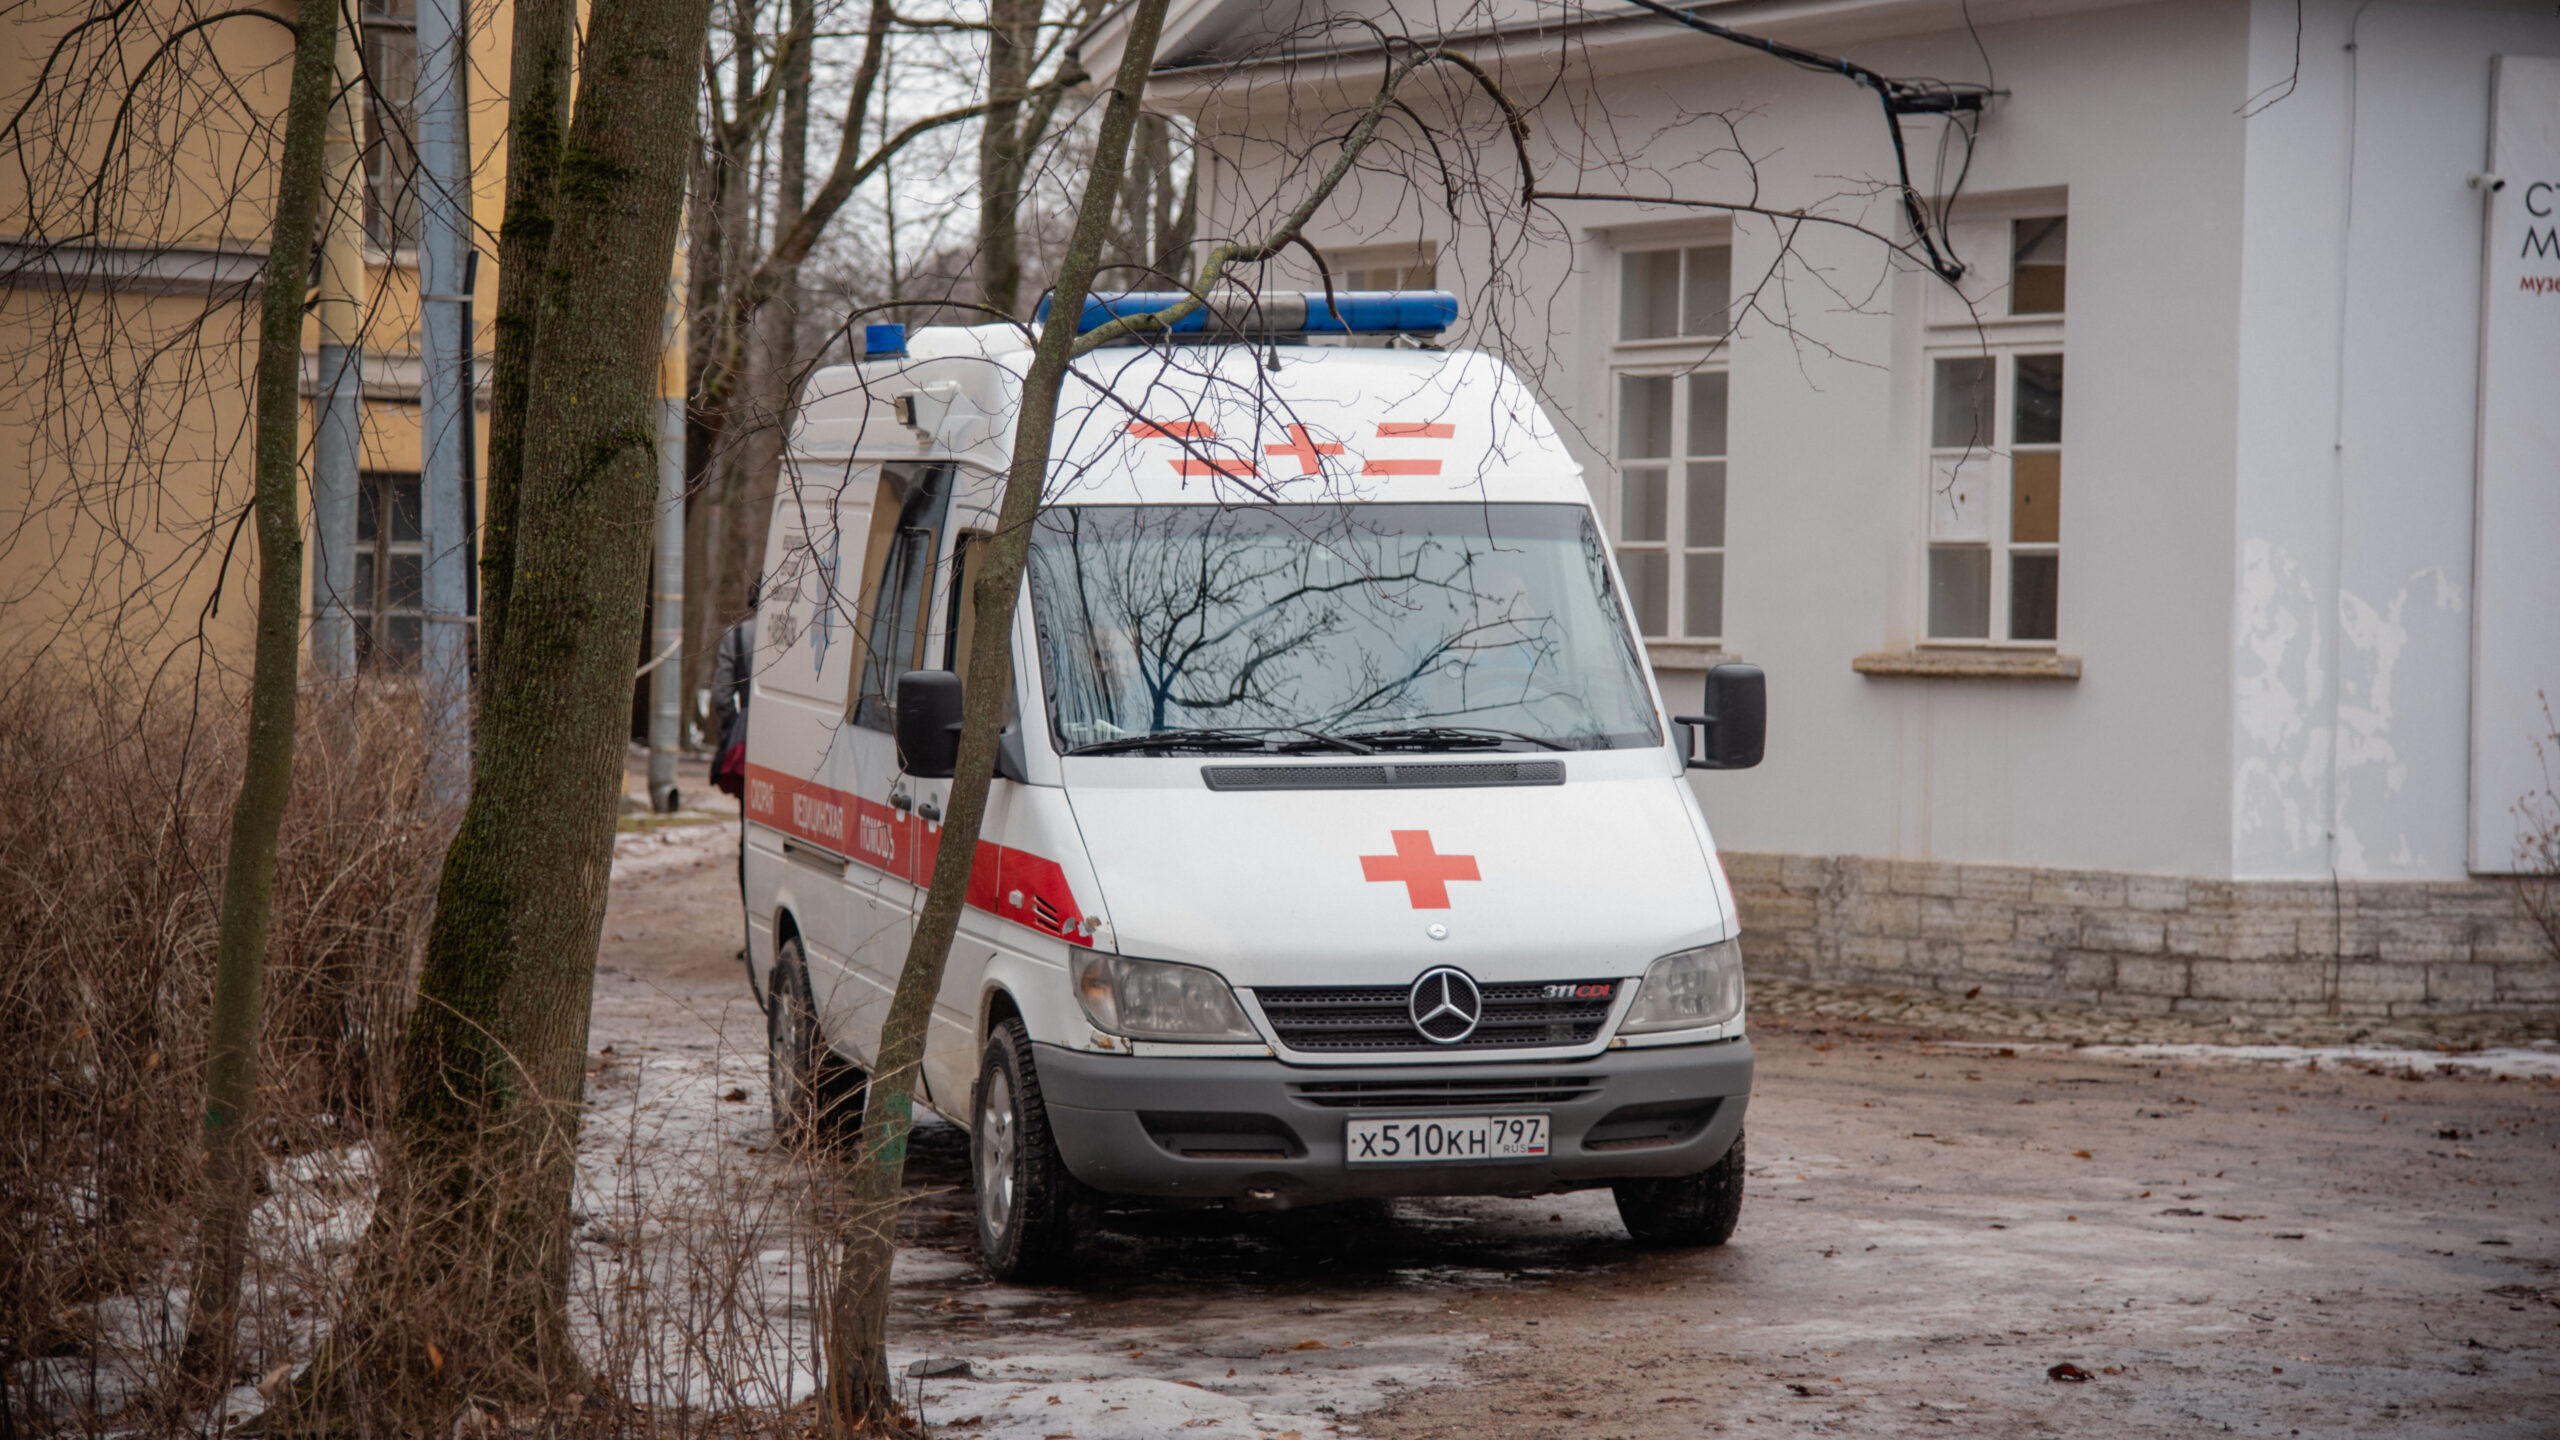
pixel 1012 32
pixel 537 124
pixel 758 413
pixel 858 1390
pixel 472 1229
pixel 1175 218
pixel 721 257
pixel 266 779
pixel 1133 246
pixel 703 307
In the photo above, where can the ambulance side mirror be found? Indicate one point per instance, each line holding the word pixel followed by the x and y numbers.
pixel 1736 724
pixel 928 725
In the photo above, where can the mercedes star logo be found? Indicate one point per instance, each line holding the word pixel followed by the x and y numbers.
pixel 1445 1005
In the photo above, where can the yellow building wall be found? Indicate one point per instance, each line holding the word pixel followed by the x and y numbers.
pixel 125 399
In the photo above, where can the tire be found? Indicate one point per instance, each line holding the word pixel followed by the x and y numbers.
pixel 1685 1210
pixel 1028 1206
pixel 816 1094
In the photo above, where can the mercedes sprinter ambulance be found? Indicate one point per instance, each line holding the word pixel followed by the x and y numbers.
pixel 1340 845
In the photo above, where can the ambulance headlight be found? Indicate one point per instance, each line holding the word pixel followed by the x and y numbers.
pixel 1689 990
pixel 1154 1000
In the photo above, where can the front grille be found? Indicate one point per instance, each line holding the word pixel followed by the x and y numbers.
pixel 1384 775
pixel 1518 1015
pixel 1445 1094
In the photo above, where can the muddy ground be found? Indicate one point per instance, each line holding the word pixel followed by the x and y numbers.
pixel 1932 1230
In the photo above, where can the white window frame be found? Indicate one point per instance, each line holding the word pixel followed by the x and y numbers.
pixel 1678 357
pixel 2000 338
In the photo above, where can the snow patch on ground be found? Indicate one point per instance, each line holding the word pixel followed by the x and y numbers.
pixel 1233 1389
pixel 2537 1061
pixel 668 849
pixel 688 1207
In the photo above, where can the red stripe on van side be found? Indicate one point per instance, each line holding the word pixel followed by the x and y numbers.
pixel 895 842
pixel 1172 430
pixel 1399 467
pixel 1415 430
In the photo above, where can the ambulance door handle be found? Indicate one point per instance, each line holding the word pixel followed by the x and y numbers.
pixel 901 800
pixel 930 811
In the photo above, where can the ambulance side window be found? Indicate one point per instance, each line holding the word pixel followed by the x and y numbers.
pixel 960 629
pixel 906 535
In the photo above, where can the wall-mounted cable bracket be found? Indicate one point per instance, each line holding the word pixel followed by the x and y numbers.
pixel 1898 97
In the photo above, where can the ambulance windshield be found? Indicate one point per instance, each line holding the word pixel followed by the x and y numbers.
pixel 1392 627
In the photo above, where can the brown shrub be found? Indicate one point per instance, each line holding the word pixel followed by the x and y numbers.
pixel 113 821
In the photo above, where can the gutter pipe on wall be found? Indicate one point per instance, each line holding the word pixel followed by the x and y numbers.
pixel 337 440
pixel 666 602
pixel 444 193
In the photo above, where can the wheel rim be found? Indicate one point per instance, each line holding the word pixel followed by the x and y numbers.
pixel 787 1058
pixel 997 1126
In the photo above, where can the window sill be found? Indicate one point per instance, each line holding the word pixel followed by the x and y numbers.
pixel 1984 664
pixel 1687 654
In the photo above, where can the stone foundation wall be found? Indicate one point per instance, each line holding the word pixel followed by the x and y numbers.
pixel 2148 943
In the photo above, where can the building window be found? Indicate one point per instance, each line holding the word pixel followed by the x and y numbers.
pixel 1674 307
pixel 2035 264
pixel 1995 462
pixel 388 556
pixel 390 29
pixel 1387 267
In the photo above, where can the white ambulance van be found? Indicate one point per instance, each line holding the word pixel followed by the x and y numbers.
pixel 1340 846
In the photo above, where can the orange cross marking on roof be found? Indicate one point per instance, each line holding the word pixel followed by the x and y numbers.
pixel 1310 453
pixel 1238 469
pixel 1171 430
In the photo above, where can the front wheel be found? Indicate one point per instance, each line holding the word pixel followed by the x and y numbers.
pixel 1685 1210
pixel 1026 1199
pixel 817 1094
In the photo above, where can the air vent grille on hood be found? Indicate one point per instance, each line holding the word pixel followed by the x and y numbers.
pixel 1383 775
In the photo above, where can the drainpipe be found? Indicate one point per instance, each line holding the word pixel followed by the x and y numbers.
pixel 444 194
pixel 337 443
pixel 666 641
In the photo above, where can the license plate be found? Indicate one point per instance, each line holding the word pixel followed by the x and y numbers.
pixel 1445 1138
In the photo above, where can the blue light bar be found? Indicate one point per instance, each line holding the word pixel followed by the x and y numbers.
pixel 1381 312
pixel 883 342
pixel 1280 312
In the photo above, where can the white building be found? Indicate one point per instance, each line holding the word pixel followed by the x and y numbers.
pixel 2219 696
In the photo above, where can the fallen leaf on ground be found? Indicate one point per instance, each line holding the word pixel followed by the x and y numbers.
pixel 2066 1371
pixel 735 1095
pixel 1308 1345
pixel 2083 1154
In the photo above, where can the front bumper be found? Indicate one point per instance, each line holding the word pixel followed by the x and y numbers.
pixel 1271 1133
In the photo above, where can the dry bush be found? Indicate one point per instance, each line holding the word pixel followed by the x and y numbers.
pixel 112 829
pixel 2538 850
pixel 698 1261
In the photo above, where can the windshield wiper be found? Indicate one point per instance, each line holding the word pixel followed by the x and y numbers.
pixel 1330 742
pixel 1174 739
pixel 1451 736
pixel 1226 738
